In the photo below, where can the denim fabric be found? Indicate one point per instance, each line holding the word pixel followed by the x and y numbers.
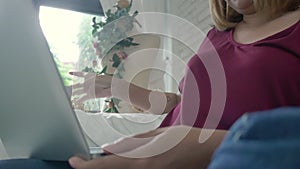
pixel 262 140
pixel 32 164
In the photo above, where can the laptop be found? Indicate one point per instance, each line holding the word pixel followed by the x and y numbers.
pixel 36 117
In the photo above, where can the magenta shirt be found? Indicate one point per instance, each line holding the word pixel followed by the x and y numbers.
pixel 259 76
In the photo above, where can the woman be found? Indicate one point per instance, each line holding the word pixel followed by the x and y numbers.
pixel 257 44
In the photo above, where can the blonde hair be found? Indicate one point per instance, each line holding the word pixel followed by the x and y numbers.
pixel 224 17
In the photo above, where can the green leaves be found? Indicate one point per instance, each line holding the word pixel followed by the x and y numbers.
pixel 108 13
pixel 96 25
pixel 113 103
pixel 127 42
pixel 135 14
pixel 129 7
pixel 116 60
pixel 103 71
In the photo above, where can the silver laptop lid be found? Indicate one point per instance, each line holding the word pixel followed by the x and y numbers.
pixel 36 119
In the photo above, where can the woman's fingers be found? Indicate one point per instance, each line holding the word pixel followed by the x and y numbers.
pixel 83 99
pixel 107 162
pixel 99 92
pixel 151 133
pixel 78 92
pixel 126 144
pixel 77 85
pixel 76 73
pixel 106 92
pixel 77 162
pixel 149 144
pixel 83 74
pixel 93 86
pixel 131 143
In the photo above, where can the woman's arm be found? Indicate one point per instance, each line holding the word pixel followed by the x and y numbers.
pixel 155 102
pixel 95 86
pixel 173 147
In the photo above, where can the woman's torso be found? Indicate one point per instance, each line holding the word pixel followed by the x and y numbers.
pixel 261 75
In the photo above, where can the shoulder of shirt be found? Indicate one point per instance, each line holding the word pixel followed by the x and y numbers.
pixel 215 32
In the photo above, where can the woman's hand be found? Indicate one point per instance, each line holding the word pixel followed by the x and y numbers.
pixel 172 147
pixel 93 86
pixel 98 86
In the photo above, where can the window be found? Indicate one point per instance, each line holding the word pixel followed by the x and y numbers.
pixel 69 35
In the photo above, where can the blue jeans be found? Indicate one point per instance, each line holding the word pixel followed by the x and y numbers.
pixel 262 140
pixel 32 164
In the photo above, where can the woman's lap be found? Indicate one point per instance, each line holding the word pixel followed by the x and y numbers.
pixel 32 164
